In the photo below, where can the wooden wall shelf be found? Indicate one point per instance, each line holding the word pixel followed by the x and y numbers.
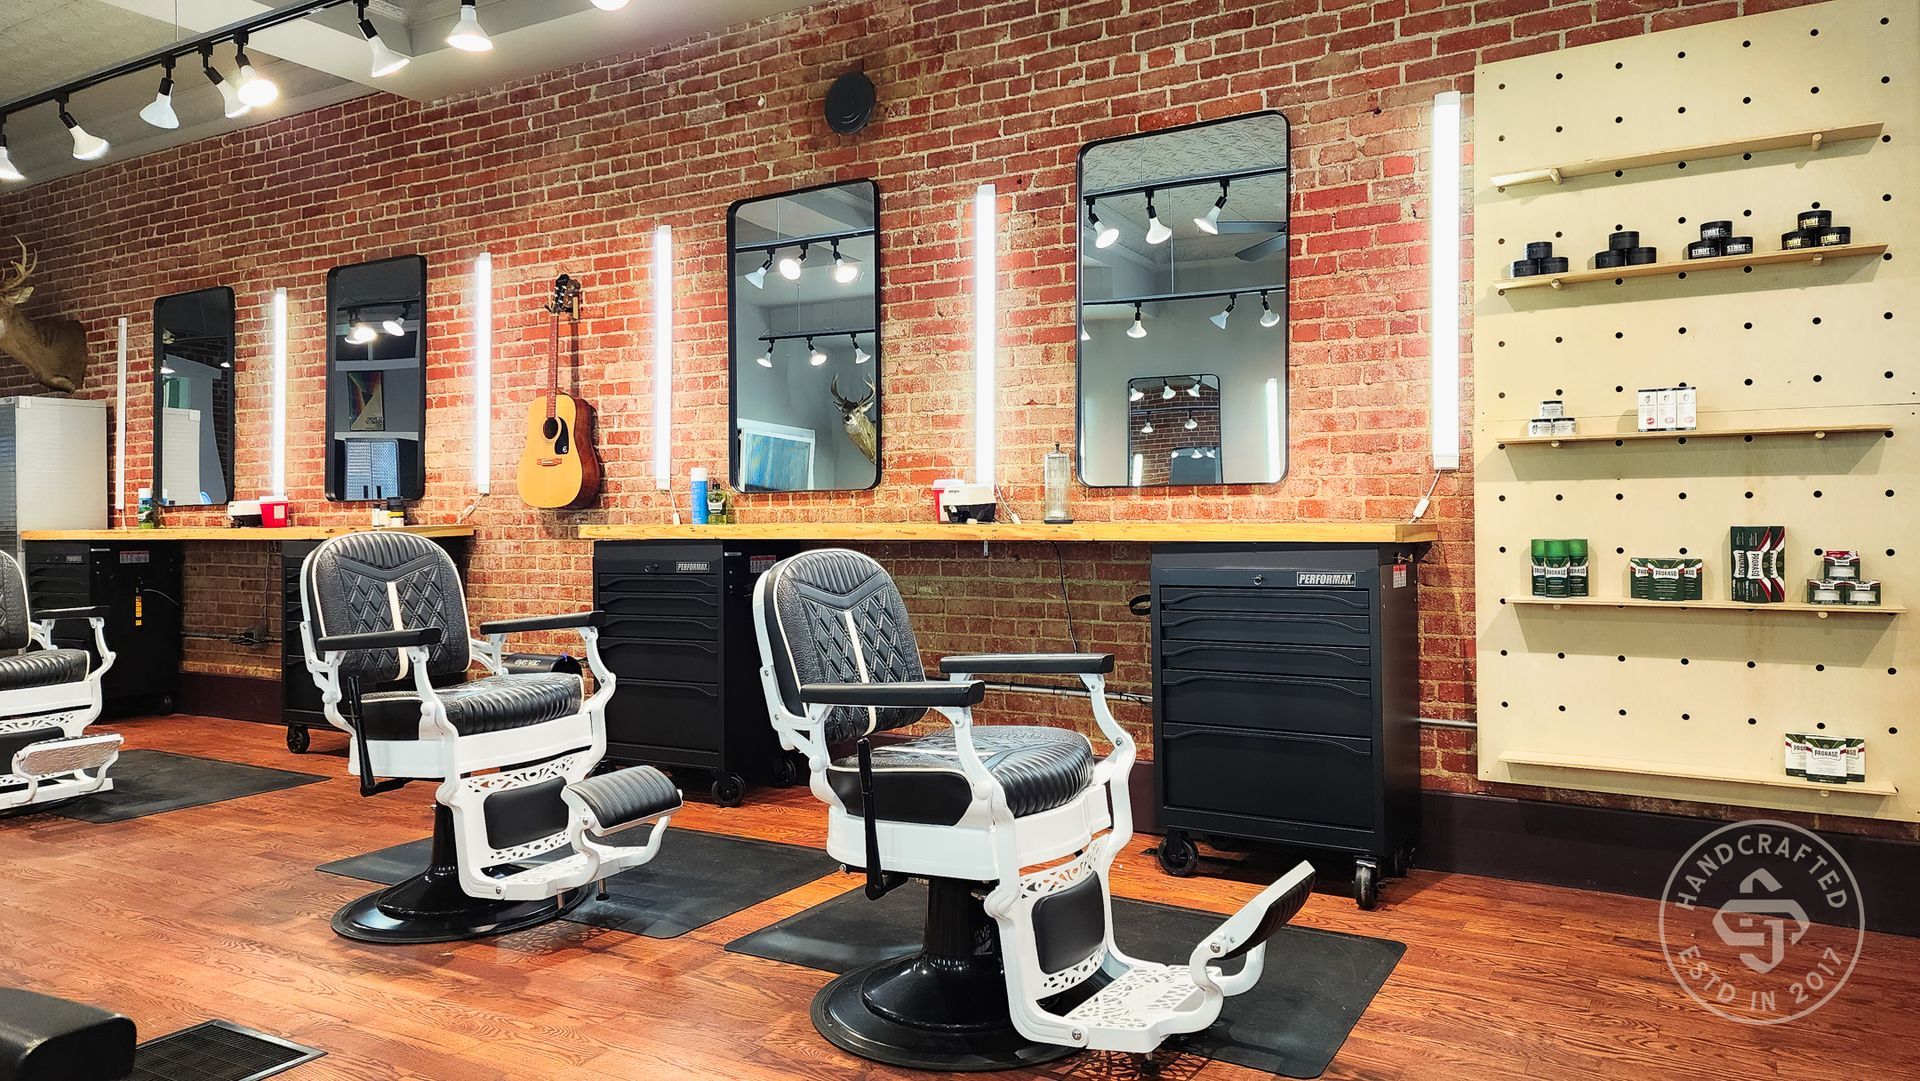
pixel 1809 256
pixel 1817 431
pixel 1630 767
pixel 1794 607
pixel 1006 532
pixel 1810 138
pixel 234 533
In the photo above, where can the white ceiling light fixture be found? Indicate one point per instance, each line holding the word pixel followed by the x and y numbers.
pixel 1147 428
pixel 7 170
pixel 1268 317
pixel 860 356
pixel 790 267
pixel 1103 235
pixel 253 88
pixel 1166 392
pixel 385 60
pixel 1193 389
pixel 1138 329
pixel 159 112
pixel 86 145
pixel 843 272
pixel 1209 223
pixel 395 325
pixel 1192 424
pixel 1134 394
pixel 1221 319
pixel 1157 231
pixel 765 360
pixel 232 106
pixel 359 332
pixel 816 356
pixel 1084 336
pixel 467 36
pixel 758 278
pixel 609 5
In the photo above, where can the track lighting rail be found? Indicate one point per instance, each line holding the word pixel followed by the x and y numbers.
pixel 803 335
pixel 1183 182
pixel 804 241
pixel 1198 294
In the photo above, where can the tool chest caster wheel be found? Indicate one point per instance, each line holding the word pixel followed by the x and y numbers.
pixel 1366 885
pixel 1178 856
pixel 729 789
pixel 299 740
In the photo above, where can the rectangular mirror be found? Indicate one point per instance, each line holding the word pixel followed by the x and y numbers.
pixel 803 319
pixel 1182 371
pixel 193 398
pixel 377 379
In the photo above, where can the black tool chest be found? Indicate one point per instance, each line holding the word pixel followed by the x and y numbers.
pixel 140 586
pixel 679 639
pixel 1286 702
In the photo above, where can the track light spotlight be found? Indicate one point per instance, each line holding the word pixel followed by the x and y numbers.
pixel 815 355
pixel 790 267
pixel 1134 394
pixel 86 145
pixel 233 107
pixel 254 88
pixel 1138 329
pixel 1084 336
pixel 7 170
pixel 1221 319
pixel 1209 222
pixel 1157 231
pixel 1166 391
pixel 159 112
pixel 385 60
pixel 758 278
pixel 1192 424
pixel 765 360
pixel 609 5
pixel 843 271
pixel 1147 428
pixel 360 334
pixel 467 35
pixel 1268 317
pixel 1103 235
pixel 1193 389
pixel 395 325
pixel 860 356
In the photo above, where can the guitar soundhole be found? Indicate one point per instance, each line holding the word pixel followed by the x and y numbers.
pixel 551 429
pixel 555 432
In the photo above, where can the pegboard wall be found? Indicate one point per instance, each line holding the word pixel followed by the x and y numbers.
pixel 1691 703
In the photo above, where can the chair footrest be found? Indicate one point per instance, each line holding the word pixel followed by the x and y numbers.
pixel 571 872
pixel 626 796
pixel 57 757
pixel 1143 997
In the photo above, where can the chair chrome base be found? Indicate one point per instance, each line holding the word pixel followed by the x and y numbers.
pixel 432 907
pixel 944 1008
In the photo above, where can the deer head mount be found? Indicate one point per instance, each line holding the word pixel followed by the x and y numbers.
pixel 54 349
pixel 854 415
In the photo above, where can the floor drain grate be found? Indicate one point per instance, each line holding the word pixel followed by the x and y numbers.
pixel 217 1051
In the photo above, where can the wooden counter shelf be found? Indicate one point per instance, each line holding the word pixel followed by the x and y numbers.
pixel 1632 768
pixel 234 533
pixel 1811 138
pixel 1817 431
pixel 1006 532
pixel 1809 256
pixel 1783 608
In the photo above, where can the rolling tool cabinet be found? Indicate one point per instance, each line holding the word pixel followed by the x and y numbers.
pixel 139 585
pixel 1286 702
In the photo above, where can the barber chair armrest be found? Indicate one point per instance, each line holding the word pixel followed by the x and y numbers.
pixel 933 694
pixel 569 621
pixel 400 639
pixel 1029 664
pixel 52 615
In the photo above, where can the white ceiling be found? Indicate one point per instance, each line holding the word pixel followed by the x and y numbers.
pixel 318 61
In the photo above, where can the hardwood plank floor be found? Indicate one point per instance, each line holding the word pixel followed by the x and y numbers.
pixel 217 911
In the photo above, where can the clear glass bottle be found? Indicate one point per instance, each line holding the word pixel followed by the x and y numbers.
pixel 1058 473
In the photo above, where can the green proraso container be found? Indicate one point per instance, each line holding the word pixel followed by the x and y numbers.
pixel 1577 568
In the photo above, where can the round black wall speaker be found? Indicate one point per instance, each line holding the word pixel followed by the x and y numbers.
pixel 850 102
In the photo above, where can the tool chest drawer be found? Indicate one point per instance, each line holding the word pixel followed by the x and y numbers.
pixel 1265 600
pixel 1339 662
pixel 663 713
pixel 1276 628
pixel 1269 775
pixel 1342 707
pixel 655 625
pixel 661 659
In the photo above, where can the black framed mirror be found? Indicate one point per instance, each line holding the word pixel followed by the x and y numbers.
pixel 193 398
pixel 803 327
pixel 377 379
pixel 1182 302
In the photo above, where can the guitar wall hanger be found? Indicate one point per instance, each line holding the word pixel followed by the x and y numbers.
pixel 559 468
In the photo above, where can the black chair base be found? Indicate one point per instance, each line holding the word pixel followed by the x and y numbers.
pixel 432 907
pixel 944 1008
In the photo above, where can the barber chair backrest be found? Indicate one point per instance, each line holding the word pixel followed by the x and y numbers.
pixel 835 616
pixel 383 581
pixel 13 605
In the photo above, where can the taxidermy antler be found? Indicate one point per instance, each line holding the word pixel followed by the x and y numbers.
pixel 53 349
pixel 854 415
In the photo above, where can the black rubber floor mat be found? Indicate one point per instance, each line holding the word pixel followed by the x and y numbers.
pixel 695 879
pixel 217 1051
pixel 154 782
pixel 1292 1023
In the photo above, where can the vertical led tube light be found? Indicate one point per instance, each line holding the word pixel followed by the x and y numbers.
pixel 277 448
pixel 1273 431
pixel 662 357
pixel 120 426
pixel 483 373
pixel 1443 316
pixel 985 330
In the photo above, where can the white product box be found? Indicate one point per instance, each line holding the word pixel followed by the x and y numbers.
pixel 1540 426
pixel 1553 408
pixel 1563 426
pixel 1688 412
pixel 1669 410
pixel 1649 410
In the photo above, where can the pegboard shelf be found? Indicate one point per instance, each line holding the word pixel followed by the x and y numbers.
pixel 1790 607
pixel 1809 256
pixel 1637 768
pixel 1817 431
pixel 1810 138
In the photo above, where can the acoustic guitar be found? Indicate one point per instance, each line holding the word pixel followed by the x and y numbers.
pixel 559 469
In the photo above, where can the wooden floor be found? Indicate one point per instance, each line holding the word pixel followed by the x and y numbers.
pixel 217 911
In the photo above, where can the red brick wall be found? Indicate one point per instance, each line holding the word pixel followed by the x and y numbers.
pixel 571 171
